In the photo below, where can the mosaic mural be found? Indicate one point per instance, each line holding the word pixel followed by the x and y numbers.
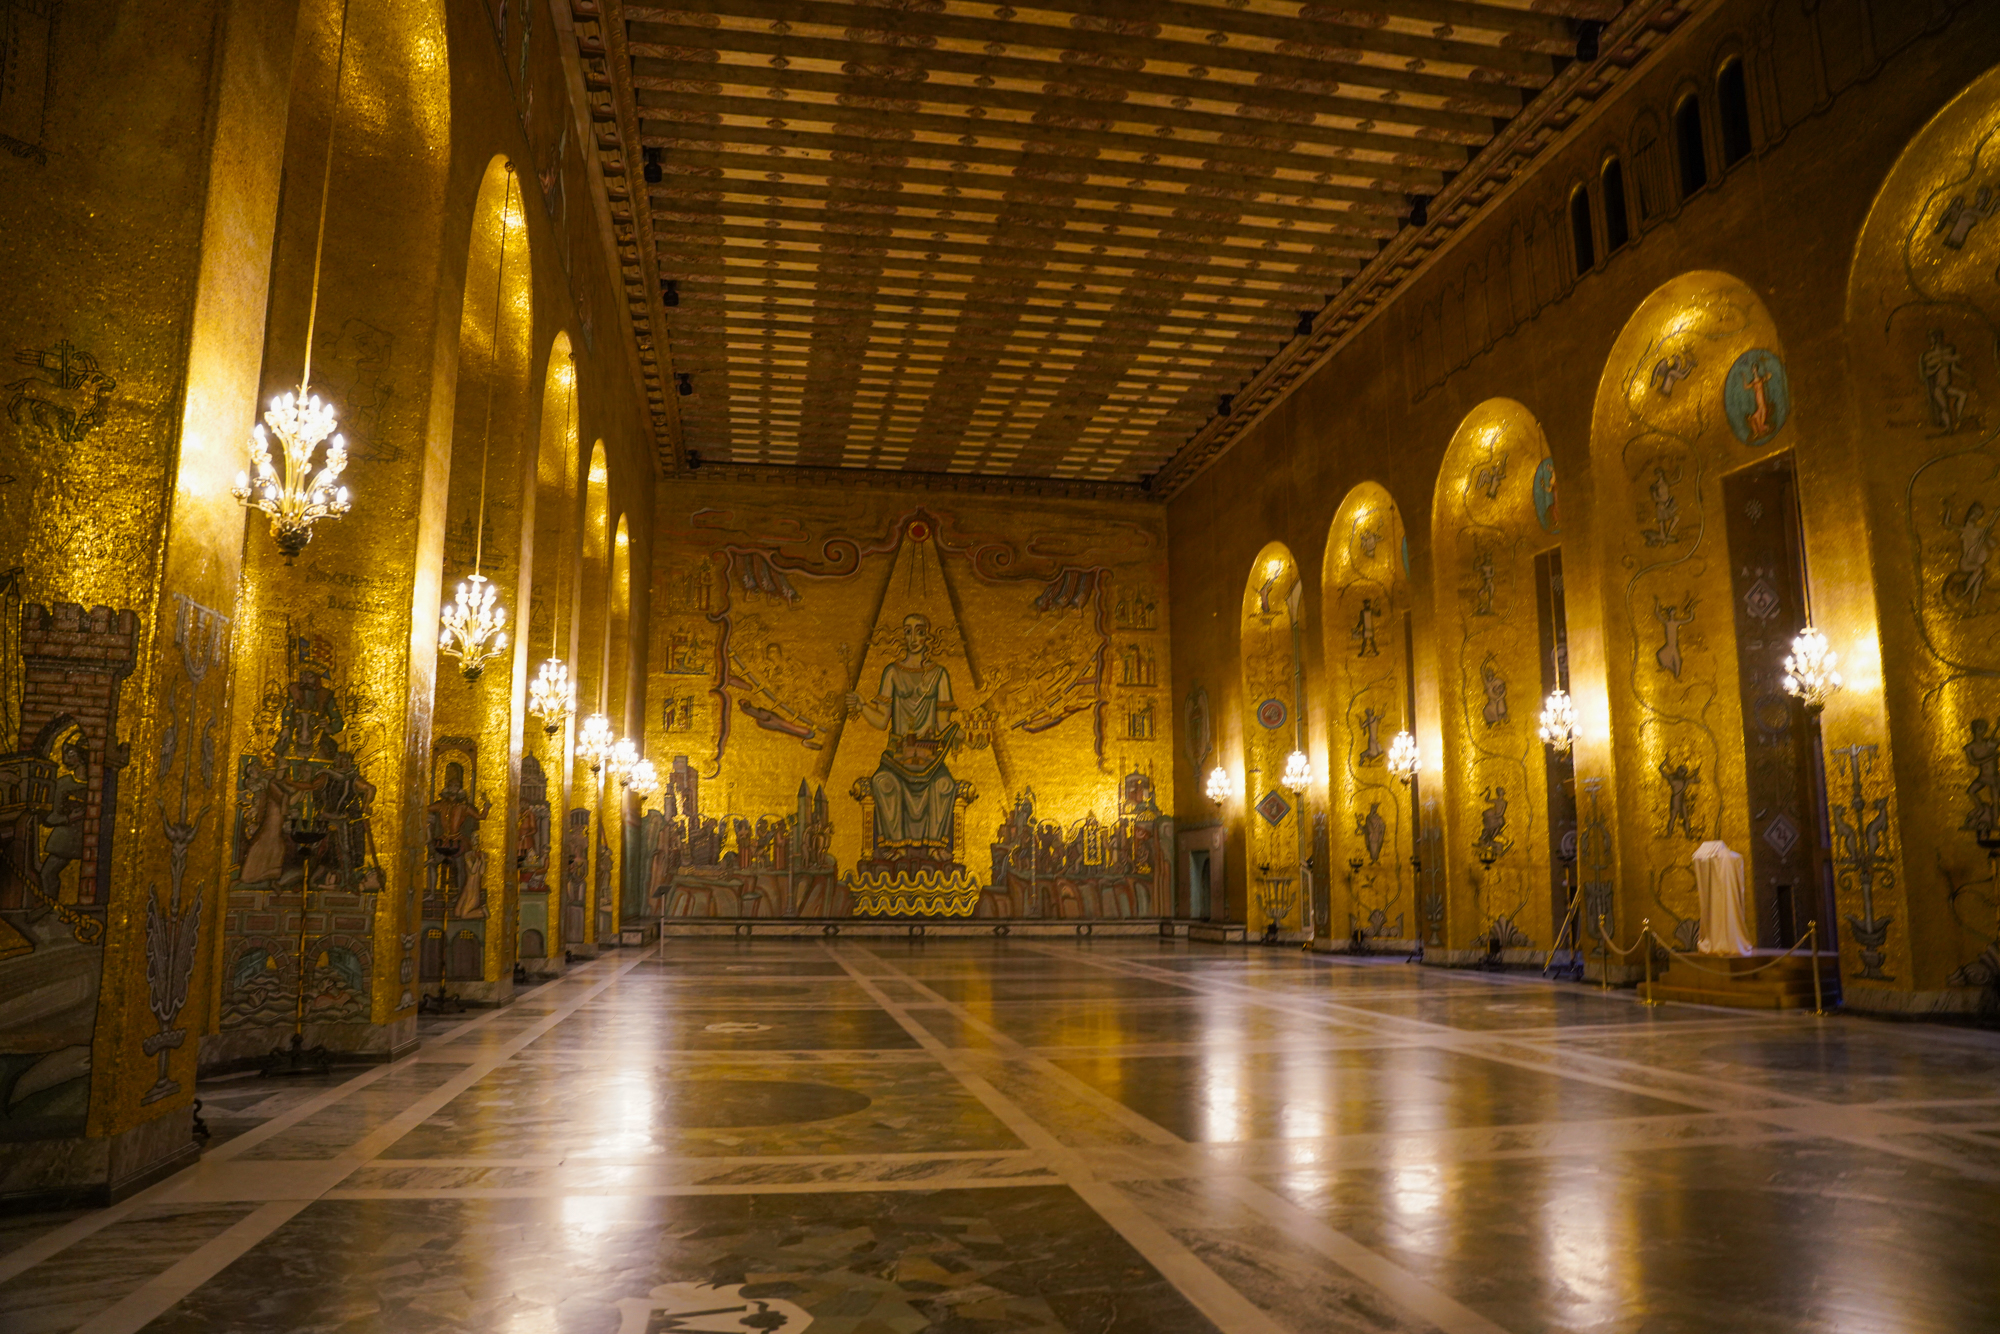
pixel 62 667
pixel 1365 591
pixel 878 707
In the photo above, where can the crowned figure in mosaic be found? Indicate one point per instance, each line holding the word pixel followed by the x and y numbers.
pixel 913 788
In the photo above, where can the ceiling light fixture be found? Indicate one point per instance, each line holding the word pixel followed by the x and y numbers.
pixel 670 292
pixel 298 497
pixel 683 385
pixel 473 621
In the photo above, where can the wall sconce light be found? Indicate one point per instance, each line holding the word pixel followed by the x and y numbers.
pixel 1221 787
pixel 1298 772
pixel 1558 729
pixel 1809 670
pixel 1404 757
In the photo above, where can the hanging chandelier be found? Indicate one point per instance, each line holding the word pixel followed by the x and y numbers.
pixel 1298 774
pixel 644 780
pixel 1809 670
pixel 622 760
pixel 594 742
pixel 1558 724
pixel 1221 787
pixel 552 696
pixel 1404 757
pixel 300 496
pixel 472 630
pixel 472 622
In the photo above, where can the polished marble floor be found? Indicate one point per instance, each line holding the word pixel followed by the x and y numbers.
pixel 862 1136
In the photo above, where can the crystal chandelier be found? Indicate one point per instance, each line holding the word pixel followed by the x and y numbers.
pixel 1298 772
pixel 644 780
pixel 1558 728
pixel 1809 670
pixel 622 760
pixel 299 496
pixel 594 742
pixel 1221 787
pixel 552 696
pixel 472 623
pixel 1404 757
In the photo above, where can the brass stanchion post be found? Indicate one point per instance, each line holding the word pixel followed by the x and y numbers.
pixel 1646 959
pixel 1604 958
pixel 1812 934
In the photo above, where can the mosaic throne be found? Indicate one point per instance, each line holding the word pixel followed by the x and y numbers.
pixel 920 878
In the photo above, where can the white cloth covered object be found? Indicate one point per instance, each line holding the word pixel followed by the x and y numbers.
pixel 1718 876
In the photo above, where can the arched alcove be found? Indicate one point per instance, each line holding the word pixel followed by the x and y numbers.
pixel 586 853
pixel 475 730
pixel 356 616
pixel 549 541
pixel 1703 587
pixel 1364 608
pixel 1912 749
pixel 1501 649
pixel 1273 726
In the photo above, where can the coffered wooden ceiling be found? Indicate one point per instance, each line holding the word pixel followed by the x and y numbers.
pixel 1037 240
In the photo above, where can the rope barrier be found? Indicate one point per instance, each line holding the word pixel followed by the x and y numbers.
pixel 1682 957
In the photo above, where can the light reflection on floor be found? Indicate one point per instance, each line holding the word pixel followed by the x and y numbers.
pixel 1130 1136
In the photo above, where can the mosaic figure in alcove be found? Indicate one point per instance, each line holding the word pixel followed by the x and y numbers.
pixel 1363 580
pixel 1682 690
pixel 58 808
pixel 1923 318
pixel 456 865
pixel 306 769
pixel 1489 527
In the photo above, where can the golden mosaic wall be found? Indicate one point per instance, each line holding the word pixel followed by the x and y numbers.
pixel 886 702
pixel 1364 591
pixel 1495 511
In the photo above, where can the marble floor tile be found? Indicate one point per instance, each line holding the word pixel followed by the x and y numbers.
pixel 984 1136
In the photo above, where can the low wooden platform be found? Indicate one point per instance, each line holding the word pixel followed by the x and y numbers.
pixel 1744 983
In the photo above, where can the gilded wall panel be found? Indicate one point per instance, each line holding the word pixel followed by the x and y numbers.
pixel 1923 323
pixel 1364 590
pixel 868 703
pixel 1495 512
pixel 1695 387
pixel 1272 630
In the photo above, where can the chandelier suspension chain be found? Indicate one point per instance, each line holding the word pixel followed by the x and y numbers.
pixel 325 188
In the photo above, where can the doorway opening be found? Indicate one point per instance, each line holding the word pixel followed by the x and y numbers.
pixel 1560 765
pixel 1789 860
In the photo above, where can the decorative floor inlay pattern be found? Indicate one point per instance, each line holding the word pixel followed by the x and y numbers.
pixel 1117 1135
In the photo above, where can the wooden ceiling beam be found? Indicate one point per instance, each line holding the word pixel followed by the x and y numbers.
pixel 749 89
pixel 819 125
pixel 692 70
pixel 1386 200
pixel 1342 63
pixel 705 170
